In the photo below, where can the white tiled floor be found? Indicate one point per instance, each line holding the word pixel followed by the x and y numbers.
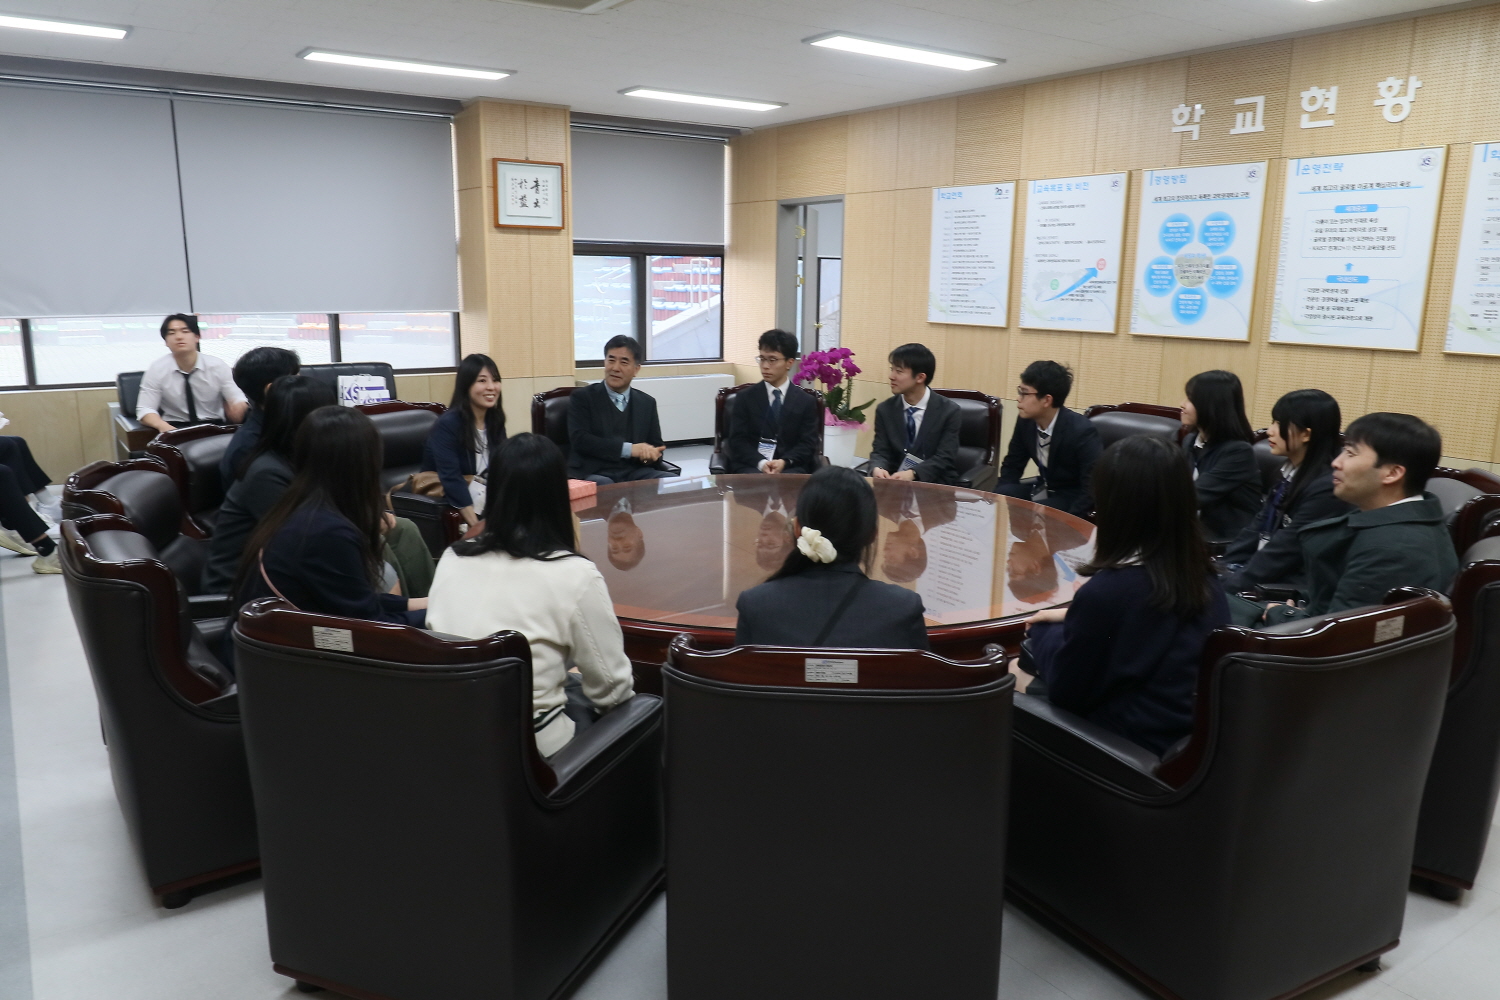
pixel 95 932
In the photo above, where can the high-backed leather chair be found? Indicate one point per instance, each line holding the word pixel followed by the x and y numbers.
pixel 404 428
pixel 168 707
pixel 1114 421
pixel 1458 805
pixel 836 823
pixel 191 455
pixel 724 414
pixel 414 843
pixel 131 436
pixel 140 491
pixel 330 371
pixel 1272 852
pixel 549 417
pixel 1471 503
pixel 978 437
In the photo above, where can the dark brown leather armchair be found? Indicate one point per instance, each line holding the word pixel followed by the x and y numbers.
pixel 168 708
pixel 978 458
pixel 414 842
pixel 724 414
pixel 403 429
pixel 1458 805
pixel 1114 421
pixel 1273 851
pixel 549 418
pixel 192 455
pixel 835 838
pixel 1471 503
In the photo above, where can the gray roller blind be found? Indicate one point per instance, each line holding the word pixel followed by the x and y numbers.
pixel 647 189
pixel 291 210
pixel 90 223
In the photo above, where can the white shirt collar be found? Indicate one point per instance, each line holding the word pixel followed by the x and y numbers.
pixel 920 404
pixel 785 384
pixel 1406 500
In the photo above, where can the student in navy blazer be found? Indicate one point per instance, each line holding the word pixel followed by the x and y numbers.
pixel 468 434
pixel 777 412
pixel 1219 447
pixel 1063 444
pixel 916 430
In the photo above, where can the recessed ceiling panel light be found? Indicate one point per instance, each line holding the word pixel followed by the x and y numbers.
pixel 403 65
pixel 715 102
pixel 62 27
pixel 907 53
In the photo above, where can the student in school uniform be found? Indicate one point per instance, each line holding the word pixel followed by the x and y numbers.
pixel 916 430
pixel 775 428
pixel 1063 444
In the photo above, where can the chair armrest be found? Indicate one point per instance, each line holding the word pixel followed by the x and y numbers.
pixel 226 704
pixel 863 468
pixel 596 749
pixel 1285 592
pixel 668 467
pixel 1087 747
pixel 202 606
pixel 716 466
pixel 981 477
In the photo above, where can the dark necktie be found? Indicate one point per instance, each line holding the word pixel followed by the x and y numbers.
pixel 187 387
pixel 911 427
pixel 775 408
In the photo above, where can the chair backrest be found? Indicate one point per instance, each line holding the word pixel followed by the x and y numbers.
pixel 826 776
pixel 191 455
pixel 128 390
pixel 979 433
pixel 330 372
pixel 403 431
pixel 1268 463
pixel 1471 502
pixel 141 491
pixel 724 411
pixel 1120 420
pixel 549 415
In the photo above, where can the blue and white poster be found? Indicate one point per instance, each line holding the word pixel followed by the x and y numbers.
pixel 1356 247
pixel 1070 274
pixel 1474 313
pixel 1195 251
pixel 969 268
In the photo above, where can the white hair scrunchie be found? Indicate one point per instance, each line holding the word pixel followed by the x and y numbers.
pixel 817 548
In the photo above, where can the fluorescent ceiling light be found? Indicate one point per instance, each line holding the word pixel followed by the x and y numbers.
pixel 907 53
pixel 404 65
pixel 715 102
pixel 62 27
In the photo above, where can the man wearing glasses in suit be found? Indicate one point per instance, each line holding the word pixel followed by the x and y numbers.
pixel 1064 444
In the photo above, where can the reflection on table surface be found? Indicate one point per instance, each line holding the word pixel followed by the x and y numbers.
pixel 680 551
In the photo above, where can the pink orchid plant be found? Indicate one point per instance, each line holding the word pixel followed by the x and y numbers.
pixel 835 369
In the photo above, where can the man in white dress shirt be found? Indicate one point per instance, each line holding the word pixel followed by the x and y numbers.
pixel 187 387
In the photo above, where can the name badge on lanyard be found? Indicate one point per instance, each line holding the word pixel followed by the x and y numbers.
pixel 909 462
pixel 767 448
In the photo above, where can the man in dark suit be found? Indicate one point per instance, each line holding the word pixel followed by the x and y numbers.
pixel 775 425
pixel 613 431
pixel 1064 444
pixel 916 430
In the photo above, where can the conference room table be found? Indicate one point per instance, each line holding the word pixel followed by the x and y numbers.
pixel 676 554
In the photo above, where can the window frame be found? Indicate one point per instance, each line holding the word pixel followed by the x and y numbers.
pixel 641 252
pixel 335 354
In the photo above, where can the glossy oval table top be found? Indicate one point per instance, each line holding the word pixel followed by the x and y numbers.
pixel 680 551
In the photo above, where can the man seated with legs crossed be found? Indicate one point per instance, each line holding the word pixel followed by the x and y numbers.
pixel 1396 535
pixel 613 431
pixel 916 430
pixel 1064 444
pixel 775 425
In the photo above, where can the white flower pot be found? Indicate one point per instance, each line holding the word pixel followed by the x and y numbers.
pixel 838 445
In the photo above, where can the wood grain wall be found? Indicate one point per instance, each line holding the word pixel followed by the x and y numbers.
pixel 885 162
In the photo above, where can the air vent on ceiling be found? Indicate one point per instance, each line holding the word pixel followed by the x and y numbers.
pixel 572 6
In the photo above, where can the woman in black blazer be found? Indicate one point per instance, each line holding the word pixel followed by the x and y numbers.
pixel 1305 429
pixel 465 438
pixel 821 595
pixel 1219 450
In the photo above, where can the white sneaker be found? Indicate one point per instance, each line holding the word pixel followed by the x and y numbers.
pixel 9 539
pixel 47 565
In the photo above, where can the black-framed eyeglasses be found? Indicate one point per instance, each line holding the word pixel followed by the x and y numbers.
pixel 769 359
pixel 1022 392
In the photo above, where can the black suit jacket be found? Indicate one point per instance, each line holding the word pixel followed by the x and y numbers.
pixel 796 435
pixel 1070 462
pixel 792 611
pixel 1228 485
pixel 1279 561
pixel 597 431
pixel 936 444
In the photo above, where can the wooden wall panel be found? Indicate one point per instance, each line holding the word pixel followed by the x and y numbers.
pixel 925 141
pixel 1455 53
pixel 1134 105
pixel 752 166
pixel 1354 60
pixel 811 157
pixel 749 278
pixel 1217 79
pixel 987 137
pixel 873 142
pixel 1059 127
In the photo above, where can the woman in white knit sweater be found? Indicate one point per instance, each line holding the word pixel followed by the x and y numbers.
pixel 523 572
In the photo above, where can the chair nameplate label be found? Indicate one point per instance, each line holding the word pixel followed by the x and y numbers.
pixel 1390 628
pixel 340 640
pixel 819 670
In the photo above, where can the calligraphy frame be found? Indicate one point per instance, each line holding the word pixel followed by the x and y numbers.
pixel 547 180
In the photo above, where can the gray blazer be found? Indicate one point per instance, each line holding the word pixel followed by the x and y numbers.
pixel 792 611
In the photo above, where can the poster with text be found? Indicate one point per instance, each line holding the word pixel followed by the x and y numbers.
pixel 1195 251
pixel 1356 246
pixel 1474 312
pixel 1070 274
pixel 969 271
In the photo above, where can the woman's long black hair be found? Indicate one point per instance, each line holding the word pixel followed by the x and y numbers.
pixel 494 421
pixel 1316 411
pixel 839 503
pixel 336 457
pixel 526 510
pixel 290 400
pixel 1220 401
pixel 1147 512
